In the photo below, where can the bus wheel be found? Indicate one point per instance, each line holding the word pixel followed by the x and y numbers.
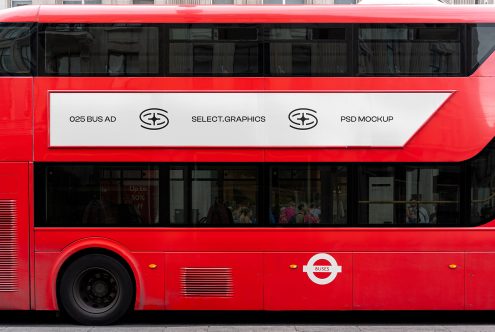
pixel 96 290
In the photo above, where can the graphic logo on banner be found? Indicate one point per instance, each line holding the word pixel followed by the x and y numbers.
pixel 303 119
pixel 154 119
pixel 333 269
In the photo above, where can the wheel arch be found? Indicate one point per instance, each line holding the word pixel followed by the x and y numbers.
pixel 102 246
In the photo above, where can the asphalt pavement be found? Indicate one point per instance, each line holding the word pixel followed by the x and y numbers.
pixel 261 321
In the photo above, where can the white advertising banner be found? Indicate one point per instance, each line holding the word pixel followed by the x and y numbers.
pixel 240 119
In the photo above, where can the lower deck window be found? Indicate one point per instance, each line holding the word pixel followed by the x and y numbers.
pixel 102 195
pixel 267 195
pixel 482 193
pixel 213 195
pixel 308 195
pixel 409 195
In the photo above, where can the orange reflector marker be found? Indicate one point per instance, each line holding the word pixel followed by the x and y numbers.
pixel 453 266
pixel 293 266
pixel 152 266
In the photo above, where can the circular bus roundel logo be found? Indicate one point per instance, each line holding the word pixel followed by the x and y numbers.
pixel 333 268
pixel 154 119
pixel 303 119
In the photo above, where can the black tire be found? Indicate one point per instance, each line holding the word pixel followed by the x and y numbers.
pixel 96 290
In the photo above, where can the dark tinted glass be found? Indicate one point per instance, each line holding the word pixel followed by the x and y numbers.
pixel 214 195
pixel 15 49
pixel 308 195
pixel 209 50
pixel 115 50
pixel 409 50
pixel 183 195
pixel 267 194
pixel 306 51
pixel 483 186
pixel 408 195
pixel 250 49
pixel 101 195
pixel 482 43
pixel 225 195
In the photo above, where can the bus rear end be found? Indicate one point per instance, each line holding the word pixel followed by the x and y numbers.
pixel 17 57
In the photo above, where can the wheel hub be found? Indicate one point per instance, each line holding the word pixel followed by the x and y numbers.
pixel 96 290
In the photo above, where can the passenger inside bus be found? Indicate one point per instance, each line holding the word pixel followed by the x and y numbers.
pixel 219 214
pixel 416 213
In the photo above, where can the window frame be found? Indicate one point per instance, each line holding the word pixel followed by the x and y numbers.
pixel 471 64
pixel 259 41
pixel 352 41
pixel 263 192
pixel 32 45
pixel 462 204
pixel 41 50
pixel 463 50
pixel 348 40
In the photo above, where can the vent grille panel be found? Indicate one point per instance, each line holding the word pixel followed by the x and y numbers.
pixel 8 246
pixel 207 282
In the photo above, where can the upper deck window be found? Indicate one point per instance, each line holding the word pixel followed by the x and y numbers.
pixel 307 51
pixel 100 50
pixel 482 38
pixel 210 50
pixel 15 49
pixel 410 50
pixel 263 50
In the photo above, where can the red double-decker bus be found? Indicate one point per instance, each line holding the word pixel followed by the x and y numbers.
pixel 246 158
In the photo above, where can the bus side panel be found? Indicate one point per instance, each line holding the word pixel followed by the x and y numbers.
pixel 409 281
pixel 480 284
pixel 14 236
pixel 16 133
pixel 294 282
pixel 214 281
pixel 487 69
pixel 44 293
pixel 469 107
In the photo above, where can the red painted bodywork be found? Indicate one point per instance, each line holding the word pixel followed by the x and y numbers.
pixel 385 268
pixel 14 185
pixel 288 289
